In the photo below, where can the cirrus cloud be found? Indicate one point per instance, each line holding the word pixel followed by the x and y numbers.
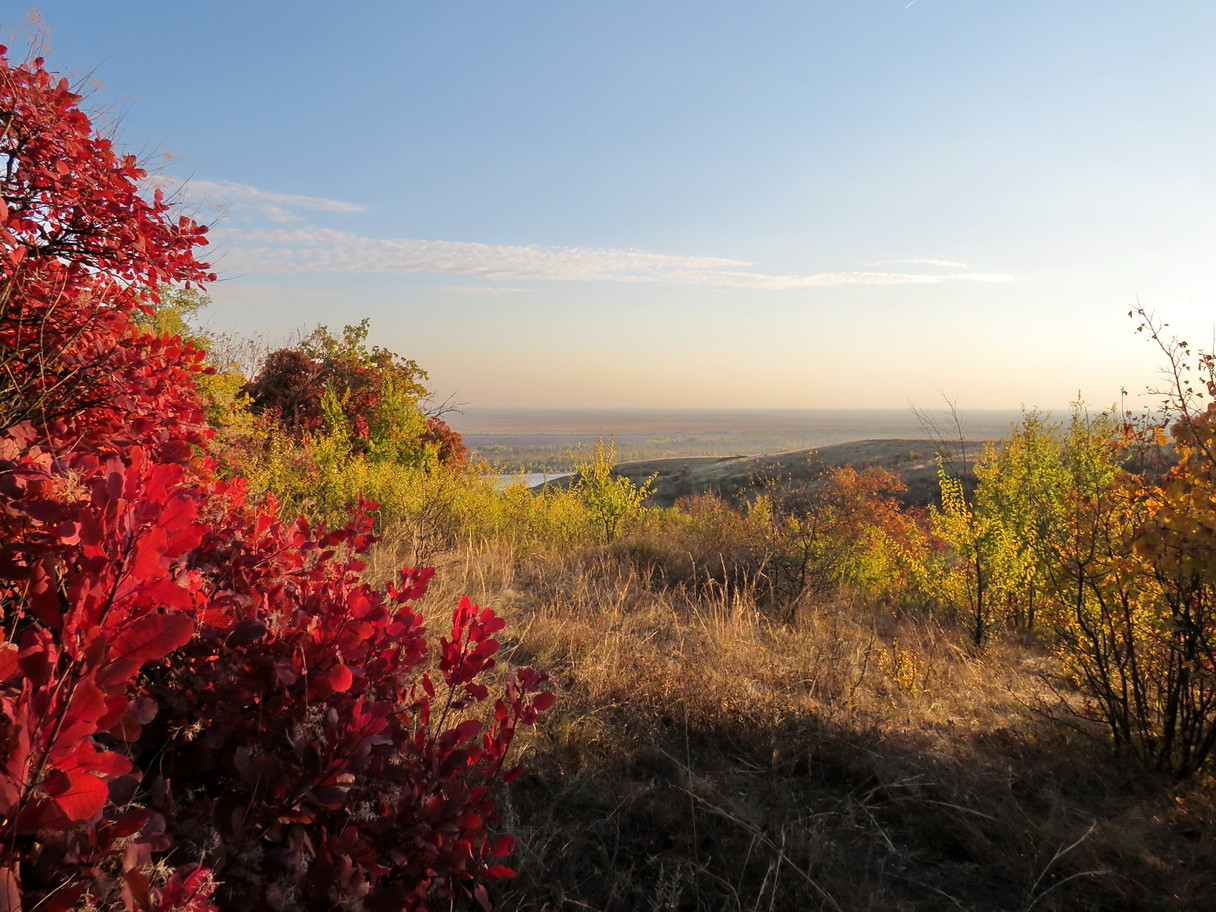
pixel 265 232
pixel 302 250
pixel 241 202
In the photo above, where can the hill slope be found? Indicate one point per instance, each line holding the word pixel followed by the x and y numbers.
pixel 738 477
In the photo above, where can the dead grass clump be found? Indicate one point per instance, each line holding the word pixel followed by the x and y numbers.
pixel 701 544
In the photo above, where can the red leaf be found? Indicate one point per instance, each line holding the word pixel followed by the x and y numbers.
pixel 340 678
pixel 78 794
pixel 543 700
pixel 62 900
pixel 44 593
pixel 467 729
pixel 8 665
pixel 87 707
pixel 10 891
pixel 128 824
pixel 150 638
pixel 150 558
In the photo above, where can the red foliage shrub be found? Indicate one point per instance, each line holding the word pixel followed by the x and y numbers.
pixel 80 249
pixel 377 391
pixel 449 444
pixel 289 387
pixel 200 702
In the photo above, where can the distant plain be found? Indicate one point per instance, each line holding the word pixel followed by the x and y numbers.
pixel 541 440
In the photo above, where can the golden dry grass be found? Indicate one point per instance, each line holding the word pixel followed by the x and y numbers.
pixel 706 755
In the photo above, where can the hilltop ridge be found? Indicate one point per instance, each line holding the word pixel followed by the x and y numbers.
pixel 738 477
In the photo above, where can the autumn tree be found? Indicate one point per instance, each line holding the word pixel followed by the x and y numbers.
pixel 971 539
pixel 368 396
pixel 1005 538
pixel 82 252
pixel 1139 578
pixel 844 527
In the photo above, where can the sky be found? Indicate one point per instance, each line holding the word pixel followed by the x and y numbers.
pixel 686 204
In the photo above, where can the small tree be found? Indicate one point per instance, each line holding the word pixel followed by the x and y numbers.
pixel 81 253
pixel 1137 572
pixel 971 538
pixel 844 527
pixel 1004 538
pixel 1020 488
pixel 612 499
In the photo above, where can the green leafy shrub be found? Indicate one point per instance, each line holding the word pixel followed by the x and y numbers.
pixel 613 501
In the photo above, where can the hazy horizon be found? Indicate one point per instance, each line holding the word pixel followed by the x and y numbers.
pixel 485 418
pixel 544 437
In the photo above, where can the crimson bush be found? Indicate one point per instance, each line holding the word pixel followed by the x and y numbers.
pixel 201 704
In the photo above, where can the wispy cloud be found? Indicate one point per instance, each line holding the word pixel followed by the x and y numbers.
pixel 325 250
pixel 240 202
pixel 949 264
pixel 247 244
pixel 827 279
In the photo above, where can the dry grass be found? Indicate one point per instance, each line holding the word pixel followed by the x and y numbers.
pixel 704 755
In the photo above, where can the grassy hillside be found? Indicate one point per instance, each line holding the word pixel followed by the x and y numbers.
pixel 742 477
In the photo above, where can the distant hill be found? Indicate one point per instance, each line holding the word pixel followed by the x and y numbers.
pixel 738 477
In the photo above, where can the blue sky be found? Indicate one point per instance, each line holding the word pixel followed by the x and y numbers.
pixel 768 204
